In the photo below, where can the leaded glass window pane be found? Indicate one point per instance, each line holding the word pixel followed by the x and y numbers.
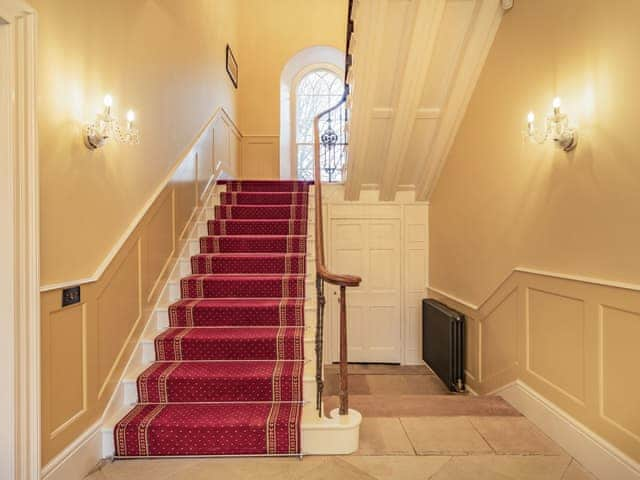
pixel 318 91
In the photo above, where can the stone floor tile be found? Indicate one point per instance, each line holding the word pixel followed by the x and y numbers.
pixel 357 385
pixel 398 468
pixel 503 467
pixel 425 405
pixel 444 436
pixel 405 385
pixel 515 435
pixel 158 469
pixel 333 468
pixel 97 475
pixel 248 468
pixel 383 436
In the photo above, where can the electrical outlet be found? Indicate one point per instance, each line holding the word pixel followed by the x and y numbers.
pixel 70 296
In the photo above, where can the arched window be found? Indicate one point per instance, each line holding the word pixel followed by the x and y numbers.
pixel 316 91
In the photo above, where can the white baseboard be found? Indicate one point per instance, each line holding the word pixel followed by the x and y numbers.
pixel 471 391
pixel 77 459
pixel 595 453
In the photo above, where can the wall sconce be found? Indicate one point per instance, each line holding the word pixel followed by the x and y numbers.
pixel 556 127
pixel 105 127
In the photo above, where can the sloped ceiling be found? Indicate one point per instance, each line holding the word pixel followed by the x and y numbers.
pixel 415 64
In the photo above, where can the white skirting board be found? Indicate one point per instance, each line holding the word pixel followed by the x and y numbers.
pixel 77 459
pixel 596 454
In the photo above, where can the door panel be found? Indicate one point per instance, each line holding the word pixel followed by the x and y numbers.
pixel 369 248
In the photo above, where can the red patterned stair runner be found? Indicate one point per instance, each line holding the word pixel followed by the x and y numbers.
pixel 227 379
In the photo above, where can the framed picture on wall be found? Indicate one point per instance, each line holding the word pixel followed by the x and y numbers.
pixel 232 67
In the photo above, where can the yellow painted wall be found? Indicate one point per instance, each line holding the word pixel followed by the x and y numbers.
pixel 270 33
pixel 500 202
pixel 166 60
pixel 163 58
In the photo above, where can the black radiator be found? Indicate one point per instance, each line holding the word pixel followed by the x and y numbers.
pixel 443 342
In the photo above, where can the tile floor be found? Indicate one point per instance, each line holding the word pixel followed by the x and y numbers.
pixel 413 429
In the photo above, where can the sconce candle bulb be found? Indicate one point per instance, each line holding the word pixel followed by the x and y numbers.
pixel 530 119
pixel 131 116
pixel 108 103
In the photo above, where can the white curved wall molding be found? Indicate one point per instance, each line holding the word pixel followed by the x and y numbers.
pixel 219 114
pixel 545 273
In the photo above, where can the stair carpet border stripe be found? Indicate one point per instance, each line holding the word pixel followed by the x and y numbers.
pixel 275 232
pixel 186 309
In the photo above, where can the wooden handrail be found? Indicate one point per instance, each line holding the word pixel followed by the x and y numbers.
pixel 323 274
pixel 321 269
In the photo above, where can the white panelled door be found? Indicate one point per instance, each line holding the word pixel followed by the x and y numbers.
pixel 369 248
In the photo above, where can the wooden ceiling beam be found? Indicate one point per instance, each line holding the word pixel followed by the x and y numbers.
pixel 479 39
pixel 368 35
pixel 427 18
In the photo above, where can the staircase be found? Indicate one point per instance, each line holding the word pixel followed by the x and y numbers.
pixel 234 365
pixel 228 374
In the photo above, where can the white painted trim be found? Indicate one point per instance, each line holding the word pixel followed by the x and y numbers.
pixel 591 450
pixel 428 113
pixel 20 299
pixel 78 458
pixel 382 112
pixel 472 306
pixel 220 112
pixel 563 276
pixel 581 278
pixel 471 391
pixel 316 55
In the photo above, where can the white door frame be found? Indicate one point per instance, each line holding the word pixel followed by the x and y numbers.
pixel 19 246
